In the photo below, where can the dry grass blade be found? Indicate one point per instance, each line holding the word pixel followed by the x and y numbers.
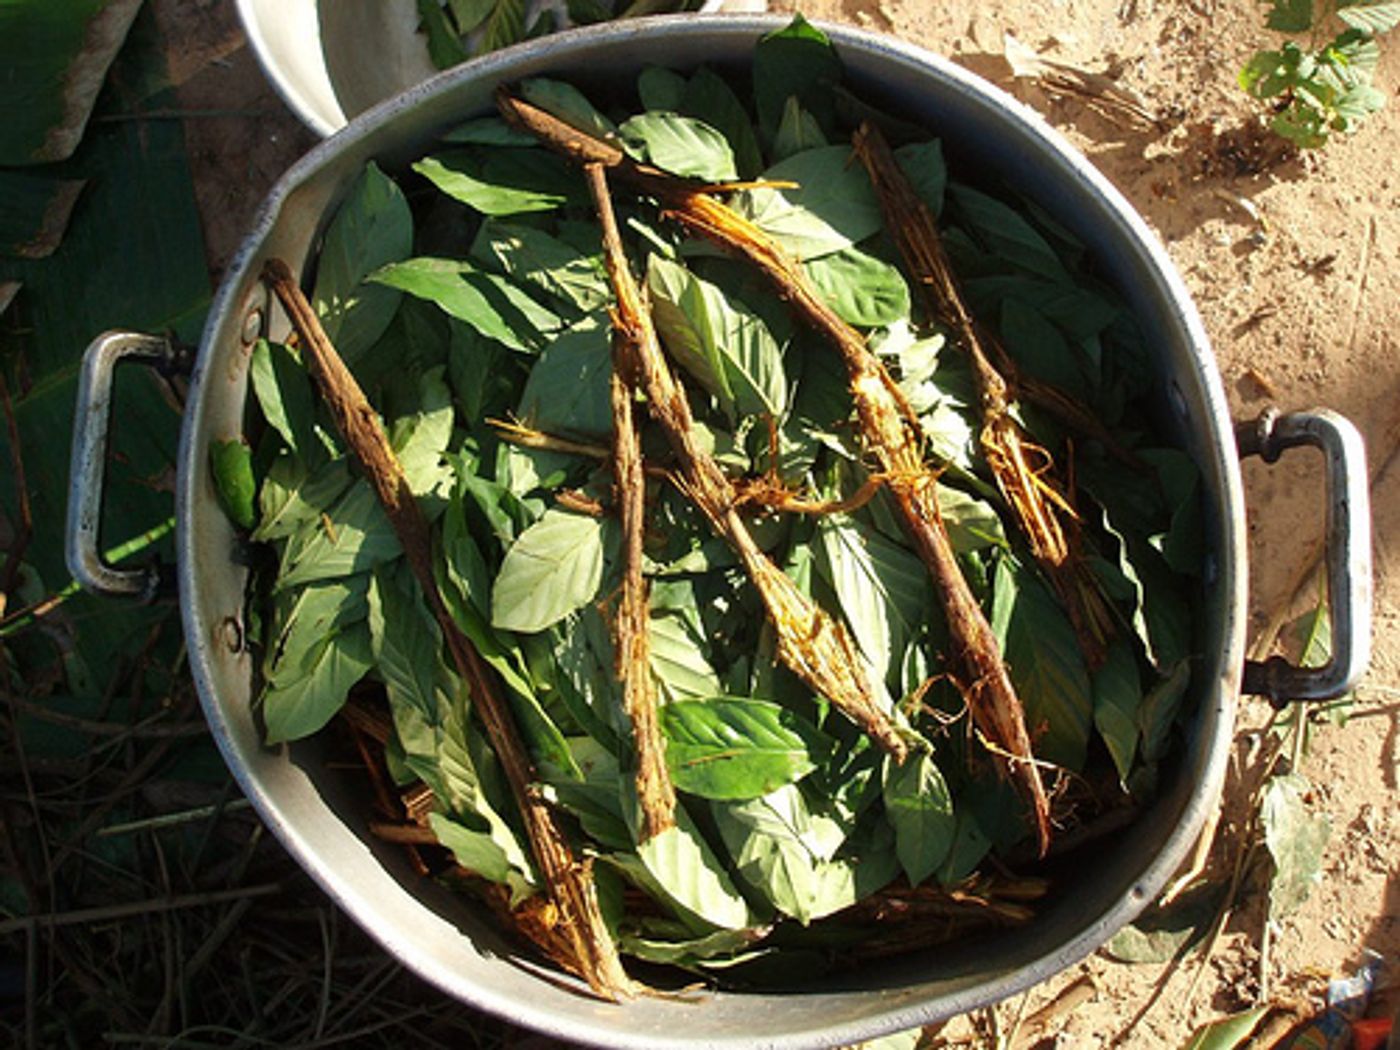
pixel 569 884
pixel 816 647
pixel 888 427
pixel 1024 471
pixel 631 625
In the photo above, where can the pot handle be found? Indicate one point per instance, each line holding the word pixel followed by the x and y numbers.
pixel 1348 552
pixel 87 470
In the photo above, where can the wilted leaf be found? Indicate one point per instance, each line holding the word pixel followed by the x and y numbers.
pixel 1296 837
pixel 1228 1032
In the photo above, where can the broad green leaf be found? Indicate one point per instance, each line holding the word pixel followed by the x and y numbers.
pixel 476 851
pixel 920 810
pixel 882 588
pixel 1117 698
pixel 726 945
pixel 445 49
pixel 970 844
pixel 682 862
pixel 488 131
pixel 567 103
pixel 678 659
pixel 797 131
pixel 468 14
pixel 298 705
pixel 1296 835
pixel 283 390
pixel 569 387
pixel 681 145
pixel 291 497
pixel 923 163
pixel 352 536
pixel 34 212
pixel 1157 713
pixel 504 26
pixel 406 645
pixel 660 88
pixel 1042 350
pixel 734 748
pixel 1228 1033
pixel 320 649
pixel 231 464
pixel 727 349
pixel 1290 16
pixel 503 181
pixel 553 568
pixel 493 305
pixel 1371 16
pixel 863 290
pixel 55 56
pixel 1046 667
pixel 973 524
pixel 1006 233
pixel 764 837
pixel 372 228
pixel 832 207
pixel 709 97
pixel 532 256
pixel 797 60
pixel 421 438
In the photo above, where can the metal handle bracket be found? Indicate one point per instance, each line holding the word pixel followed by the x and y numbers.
pixel 87 471
pixel 1348 552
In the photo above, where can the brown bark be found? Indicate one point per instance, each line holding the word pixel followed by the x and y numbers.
pixel 813 645
pixel 1024 471
pixel 567 882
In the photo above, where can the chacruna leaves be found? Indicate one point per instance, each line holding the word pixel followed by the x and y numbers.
pixel 767 464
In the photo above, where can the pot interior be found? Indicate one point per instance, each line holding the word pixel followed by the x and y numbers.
pixel 321 817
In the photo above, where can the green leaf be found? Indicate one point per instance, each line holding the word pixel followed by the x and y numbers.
pixel 291 497
pixel 734 748
pixel 863 290
pixel 686 868
pixel 1162 931
pixel 468 14
pixel 661 88
pixel 1006 233
pixel 973 524
pixel 567 103
pixel 505 26
pixel 231 464
pixel 1046 667
pixel 488 302
pixel 371 228
pixel 797 131
pixel 34 212
pixel 692 951
pixel 797 60
pixel 1296 837
pixel 476 851
pixel 923 163
pixel 1117 698
pixel 55 56
pixel 765 838
pixel 678 659
pixel 1370 16
pixel 553 568
pixel 283 391
pixel 569 387
pixel 681 145
pixel 1290 16
pixel 421 438
pixel 726 348
pixel 920 810
pixel 488 131
pixel 353 536
pixel 532 256
pixel 503 181
pixel 321 648
pixel 882 589
pixel 1228 1033
pixel 1157 714
pixel 445 50
pixel 832 207
pixel 709 97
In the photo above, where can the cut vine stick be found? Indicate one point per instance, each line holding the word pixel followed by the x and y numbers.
pixel 812 644
pixel 568 883
pixel 631 626
pixel 1043 515
pixel 888 426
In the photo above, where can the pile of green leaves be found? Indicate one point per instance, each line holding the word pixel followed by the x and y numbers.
pixel 457 30
pixel 1324 86
pixel 471 289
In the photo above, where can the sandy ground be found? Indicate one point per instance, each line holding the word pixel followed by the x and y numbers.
pixel 1295 272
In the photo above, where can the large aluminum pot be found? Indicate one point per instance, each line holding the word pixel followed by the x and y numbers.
pixel 321 818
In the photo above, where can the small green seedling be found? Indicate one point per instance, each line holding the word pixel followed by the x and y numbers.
pixel 1321 87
